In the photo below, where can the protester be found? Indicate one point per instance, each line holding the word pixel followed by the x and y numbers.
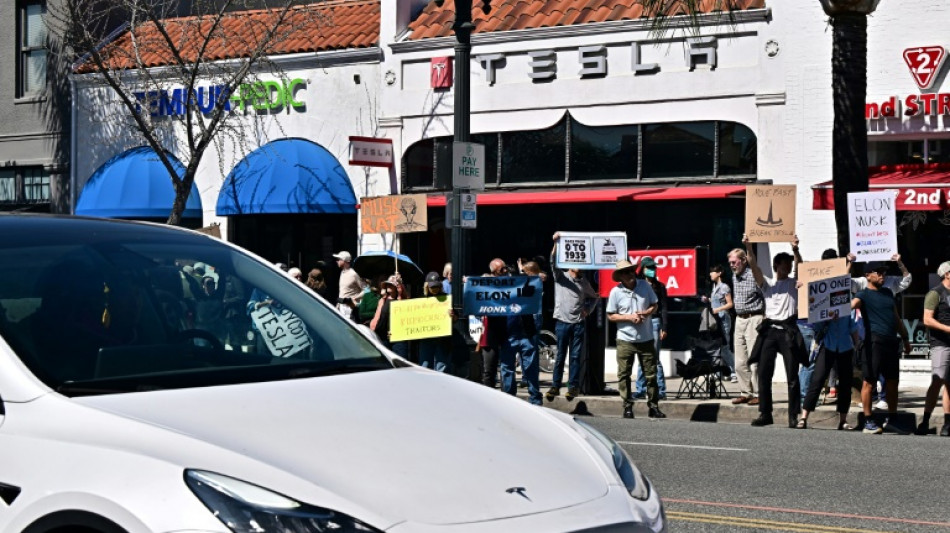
pixel 389 292
pixel 720 300
pixel 836 339
pixel 366 309
pixel 937 322
pixel 881 345
pixel 750 309
pixel 435 352
pixel 571 293
pixel 494 338
pixel 523 339
pixel 779 334
pixel 629 306
pixel 659 322
pixel 351 286
pixel 316 281
pixel 295 273
pixel 447 278
pixel 808 334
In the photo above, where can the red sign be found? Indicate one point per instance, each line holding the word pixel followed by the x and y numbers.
pixel 924 63
pixel 919 199
pixel 674 267
pixel 371 152
pixel 440 76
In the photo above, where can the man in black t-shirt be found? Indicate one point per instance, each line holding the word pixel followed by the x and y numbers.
pixel 937 321
pixel 881 343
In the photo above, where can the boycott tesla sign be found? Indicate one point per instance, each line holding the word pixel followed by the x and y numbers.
pixel 674 267
pixel 269 96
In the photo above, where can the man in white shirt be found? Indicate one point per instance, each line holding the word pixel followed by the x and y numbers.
pixel 351 285
pixel 779 333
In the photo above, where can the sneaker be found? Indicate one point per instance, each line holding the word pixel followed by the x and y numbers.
pixel 881 404
pixel 571 394
pixel 763 420
pixel 734 379
pixel 945 430
pixel 628 411
pixel 832 394
pixel 552 393
pixel 844 426
pixel 872 428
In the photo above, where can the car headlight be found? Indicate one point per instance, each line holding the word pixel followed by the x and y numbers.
pixel 247 508
pixel 636 483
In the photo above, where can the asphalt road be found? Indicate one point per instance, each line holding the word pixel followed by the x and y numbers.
pixel 733 477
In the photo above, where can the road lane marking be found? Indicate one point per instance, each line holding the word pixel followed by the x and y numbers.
pixel 682 446
pixel 808 512
pixel 761 523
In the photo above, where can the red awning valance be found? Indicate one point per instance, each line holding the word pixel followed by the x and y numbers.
pixel 919 187
pixel 566 196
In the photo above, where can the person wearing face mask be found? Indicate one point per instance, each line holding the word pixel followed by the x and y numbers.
pixel 659 320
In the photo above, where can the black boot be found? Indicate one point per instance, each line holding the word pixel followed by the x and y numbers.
pixel 656 413
pixel 628 411
pixel 763 420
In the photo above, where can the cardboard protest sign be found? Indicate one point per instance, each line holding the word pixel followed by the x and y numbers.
pixel 500 296
pixel 283 332
pixel 872 225
pixel 770 213
pixel 810 271
pixel 590 251
pixel 829 298
pixel 420 318
pixel 394 214
pixel 676 268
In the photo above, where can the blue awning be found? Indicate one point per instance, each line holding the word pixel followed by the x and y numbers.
pixel 135 184
pixel 287 176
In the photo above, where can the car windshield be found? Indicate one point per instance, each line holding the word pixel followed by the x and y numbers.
pixel 145 308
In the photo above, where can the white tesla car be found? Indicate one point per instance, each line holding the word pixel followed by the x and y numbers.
pixel 138 396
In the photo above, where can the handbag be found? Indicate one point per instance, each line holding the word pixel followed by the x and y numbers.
pixel 708 321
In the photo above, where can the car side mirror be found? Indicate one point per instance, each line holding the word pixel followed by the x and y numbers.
pixel 3 410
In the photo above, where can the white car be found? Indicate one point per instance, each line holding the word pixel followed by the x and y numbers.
pixel 135 397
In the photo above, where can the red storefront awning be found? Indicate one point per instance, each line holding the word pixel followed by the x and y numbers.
pixel 566 196
pixel 919 187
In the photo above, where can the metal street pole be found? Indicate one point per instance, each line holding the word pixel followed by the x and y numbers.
pixel 463 47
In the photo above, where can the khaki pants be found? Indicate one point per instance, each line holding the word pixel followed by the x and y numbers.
pixel 626 351
pixel 746 334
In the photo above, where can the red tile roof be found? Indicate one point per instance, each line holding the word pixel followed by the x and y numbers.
pixel 528 14
pixel 328 25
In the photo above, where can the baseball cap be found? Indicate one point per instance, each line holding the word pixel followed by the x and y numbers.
pixel 433 279
pixel 647 262
pixel 943 269
pixel 343 256
pixel 875 266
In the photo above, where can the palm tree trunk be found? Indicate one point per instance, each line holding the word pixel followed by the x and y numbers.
pixel 849 139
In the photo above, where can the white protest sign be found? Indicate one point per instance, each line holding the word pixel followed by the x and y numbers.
pixel 283 332
pixel 829 298
pixel 590 251
pixel 872 224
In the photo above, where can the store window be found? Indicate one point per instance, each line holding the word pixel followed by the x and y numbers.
pixel 24 185
pixel 536 156
pixel 35 185
pixel 572 152
pixel 33 47
pixel 603 153
pixel 737 149
pixel 679 149
pixel 895 153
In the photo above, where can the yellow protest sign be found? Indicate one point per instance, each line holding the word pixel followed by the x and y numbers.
pixel 420 318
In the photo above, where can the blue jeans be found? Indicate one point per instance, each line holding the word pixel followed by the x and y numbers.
pixel 568 336
pixel 806 372
pixel 728 358
pixel 528 347
pixel 433 353
pixel 660 378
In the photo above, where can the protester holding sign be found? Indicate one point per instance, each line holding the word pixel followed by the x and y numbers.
pixel 523 339
pixel 435 352
pixel 390 290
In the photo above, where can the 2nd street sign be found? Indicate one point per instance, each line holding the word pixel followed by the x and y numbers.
pixel 468 166
pixel 924 63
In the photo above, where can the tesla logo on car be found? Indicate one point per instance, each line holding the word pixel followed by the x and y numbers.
pixel 924 63
pixel 520 491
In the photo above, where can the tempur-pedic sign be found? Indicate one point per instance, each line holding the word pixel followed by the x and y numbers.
pixel 271 96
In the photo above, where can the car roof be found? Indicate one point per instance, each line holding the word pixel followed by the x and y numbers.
pixel 18 229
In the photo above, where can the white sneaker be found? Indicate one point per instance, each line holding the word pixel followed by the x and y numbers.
pixel 734 379
pixel 882 405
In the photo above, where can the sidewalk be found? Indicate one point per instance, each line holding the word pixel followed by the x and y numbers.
pixel 910 406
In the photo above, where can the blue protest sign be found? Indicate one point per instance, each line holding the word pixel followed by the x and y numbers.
pixel 508 295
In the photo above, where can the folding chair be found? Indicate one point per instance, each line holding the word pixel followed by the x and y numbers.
pixel 696 375
pixel 707 346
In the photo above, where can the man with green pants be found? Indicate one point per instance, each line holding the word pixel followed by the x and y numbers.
pixel 629 306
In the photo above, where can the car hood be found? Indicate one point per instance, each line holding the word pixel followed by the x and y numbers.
pixel 409 444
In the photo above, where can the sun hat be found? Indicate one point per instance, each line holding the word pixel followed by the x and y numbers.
pixel 622 266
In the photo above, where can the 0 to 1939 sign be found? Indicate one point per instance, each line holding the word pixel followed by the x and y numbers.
pixel 590 251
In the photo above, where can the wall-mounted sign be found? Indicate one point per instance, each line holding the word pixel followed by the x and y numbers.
pixel 394 214
pixel 872 225
pixel 371 152
pixel 590 251
pixel 770 213
pixel 440 73
pixel 924 63
pixel 468 166
pixel 271 96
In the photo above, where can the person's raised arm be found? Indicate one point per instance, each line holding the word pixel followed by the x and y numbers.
pixel 753 262
pixel 798 257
